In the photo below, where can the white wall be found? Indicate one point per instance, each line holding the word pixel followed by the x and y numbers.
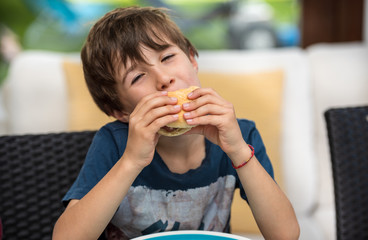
pixel 365 24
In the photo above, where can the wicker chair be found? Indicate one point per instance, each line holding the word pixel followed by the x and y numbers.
pixel 35 173
pixel 348 138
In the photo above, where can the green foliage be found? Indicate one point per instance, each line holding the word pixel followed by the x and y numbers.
pixel 15 15
pixel 286 11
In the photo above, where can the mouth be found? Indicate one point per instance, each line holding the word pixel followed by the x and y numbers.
pixel 172 132
pixel 169 129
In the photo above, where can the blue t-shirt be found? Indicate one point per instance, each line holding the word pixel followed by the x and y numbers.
pixel 160 200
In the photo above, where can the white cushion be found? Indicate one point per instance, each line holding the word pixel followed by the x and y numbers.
pixel 3 116
pixel 36 96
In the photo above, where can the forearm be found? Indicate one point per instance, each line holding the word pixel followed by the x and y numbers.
pixel 272 210
pixel 88 218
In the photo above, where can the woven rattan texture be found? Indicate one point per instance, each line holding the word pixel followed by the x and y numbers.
pixel 35 173
pixel 348 138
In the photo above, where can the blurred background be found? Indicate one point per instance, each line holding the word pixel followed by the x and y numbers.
pixel 321 47
pixel 62 25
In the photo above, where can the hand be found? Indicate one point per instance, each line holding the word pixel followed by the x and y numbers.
pixel 151 113
pixel 215 118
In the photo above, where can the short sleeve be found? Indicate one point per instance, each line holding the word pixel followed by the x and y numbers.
pixel 101 157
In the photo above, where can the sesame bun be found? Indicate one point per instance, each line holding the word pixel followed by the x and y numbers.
pixel 180 126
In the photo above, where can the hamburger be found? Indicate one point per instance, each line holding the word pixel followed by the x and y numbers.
pixel 180 126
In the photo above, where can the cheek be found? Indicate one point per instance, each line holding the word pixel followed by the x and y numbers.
pixel 129 102
pixel 135 96
pixel 190 74
pixel 193 77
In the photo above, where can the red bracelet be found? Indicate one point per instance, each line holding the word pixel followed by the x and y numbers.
pixel 251 156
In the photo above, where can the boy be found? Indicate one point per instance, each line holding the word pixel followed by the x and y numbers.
pixel 135 181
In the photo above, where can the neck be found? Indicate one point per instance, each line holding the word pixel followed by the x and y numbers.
pixel 183 153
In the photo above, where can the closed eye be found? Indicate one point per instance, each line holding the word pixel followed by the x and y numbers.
pixel 137 78
pixel 167 57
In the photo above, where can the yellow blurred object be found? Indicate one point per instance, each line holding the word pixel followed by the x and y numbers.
pixel 83 112
pixel 257 97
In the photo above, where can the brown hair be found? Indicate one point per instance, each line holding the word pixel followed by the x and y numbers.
pixel 115 39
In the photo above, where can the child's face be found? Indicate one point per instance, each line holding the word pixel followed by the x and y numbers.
pixel 168 70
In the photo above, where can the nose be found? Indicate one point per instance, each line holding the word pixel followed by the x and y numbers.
pixel 164 79
pixel 166 85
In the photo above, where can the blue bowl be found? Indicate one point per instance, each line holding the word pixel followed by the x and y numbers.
pixel 192 235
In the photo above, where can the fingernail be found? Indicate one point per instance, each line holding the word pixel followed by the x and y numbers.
pixel 190 94
pixel 174 99
pixel 189 121
pixel 177 107
pixel 185 105
pixel 186 115
pixel 164 92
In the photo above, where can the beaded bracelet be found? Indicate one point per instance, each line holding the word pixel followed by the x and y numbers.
pixel 251 156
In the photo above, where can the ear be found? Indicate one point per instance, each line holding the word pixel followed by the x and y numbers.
pixel 121 116
pixel 193 61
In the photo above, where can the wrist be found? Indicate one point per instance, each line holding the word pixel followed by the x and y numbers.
pixel 130 164
pixel 244 155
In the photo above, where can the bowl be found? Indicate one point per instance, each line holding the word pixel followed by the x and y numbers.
pixel 192 235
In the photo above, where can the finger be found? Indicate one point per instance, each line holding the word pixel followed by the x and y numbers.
pixel 158 123
pixel 206 99
pixel 153 101
pixel 205 120
pixel 160 112
pixel 207 109
pixel 221 122
pixel 148 126
pixel 201 92
pixel 149 98
pixel 146 118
